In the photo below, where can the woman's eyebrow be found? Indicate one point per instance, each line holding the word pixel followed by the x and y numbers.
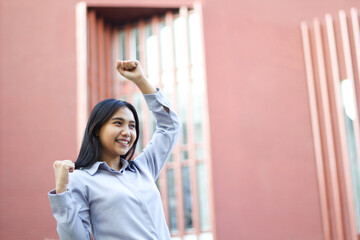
pixel 121 119
pixel 118 118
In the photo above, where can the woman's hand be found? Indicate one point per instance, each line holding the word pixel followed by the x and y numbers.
pixel 131 70
pixel 62 170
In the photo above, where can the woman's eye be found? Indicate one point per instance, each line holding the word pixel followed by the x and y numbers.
pixel 117 123
pixel 132 126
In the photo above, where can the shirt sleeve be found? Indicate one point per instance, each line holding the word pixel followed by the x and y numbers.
pixel 165 136
pixel 71 211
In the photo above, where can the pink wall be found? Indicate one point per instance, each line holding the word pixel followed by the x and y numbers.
pixel 264 173
pixel 263 159
pixel 37 109
pixel 37 106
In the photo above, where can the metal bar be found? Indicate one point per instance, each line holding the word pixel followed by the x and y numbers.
pixel 142 42
pixel 127 41
pixel 126 84
pixel 107 53
pixel 315 130
pixel 169 19
pixel 101 58
pixel 115 43
pixel 163 175
pixel 192 163
pixel 356 35
pixel 92 59
pixel 350 76
pixel 129 4
pixel 113 57
pixel 81 71
pixel 155 25
pixel 206 127
pixel 146 122
pixel 340 125
pixel 328 138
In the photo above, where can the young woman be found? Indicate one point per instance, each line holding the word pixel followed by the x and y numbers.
pixel 105 193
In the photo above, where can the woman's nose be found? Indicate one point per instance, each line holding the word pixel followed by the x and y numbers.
pixel 125 131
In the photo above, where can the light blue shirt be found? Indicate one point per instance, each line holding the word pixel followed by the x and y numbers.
pixel 125 204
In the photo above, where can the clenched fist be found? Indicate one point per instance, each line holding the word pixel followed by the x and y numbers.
pixel 62 170
pixel 131 70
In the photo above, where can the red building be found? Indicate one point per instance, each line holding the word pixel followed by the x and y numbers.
pixel 268 93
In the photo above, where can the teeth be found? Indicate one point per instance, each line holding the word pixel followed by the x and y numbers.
pixel 122 141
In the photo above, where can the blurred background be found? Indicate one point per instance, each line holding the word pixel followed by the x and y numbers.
pixel 267 91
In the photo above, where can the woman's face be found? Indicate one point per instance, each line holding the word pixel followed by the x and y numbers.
pixel 118 134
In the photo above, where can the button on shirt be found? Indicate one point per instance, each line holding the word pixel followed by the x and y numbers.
pixel 125 204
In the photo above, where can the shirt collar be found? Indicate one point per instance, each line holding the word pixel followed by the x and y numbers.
pixel 125 165
pixel 93 168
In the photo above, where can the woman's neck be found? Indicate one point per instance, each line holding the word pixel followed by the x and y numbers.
pixel 114 163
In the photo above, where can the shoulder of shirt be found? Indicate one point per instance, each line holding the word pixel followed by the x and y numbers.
pixel 78 179
pixel 78 174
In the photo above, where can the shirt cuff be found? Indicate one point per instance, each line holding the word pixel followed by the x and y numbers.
pixel 153 100
pixel 58 200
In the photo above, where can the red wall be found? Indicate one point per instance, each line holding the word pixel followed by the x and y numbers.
pixel 264 171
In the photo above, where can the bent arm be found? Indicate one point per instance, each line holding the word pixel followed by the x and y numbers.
pixel 167 123
pixel 145 86
pixel 165 136
pixel 132 71
pixel 71 211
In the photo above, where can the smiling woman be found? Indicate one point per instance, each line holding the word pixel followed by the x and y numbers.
pixel 110 195
pixel 110 121
pixel 117 136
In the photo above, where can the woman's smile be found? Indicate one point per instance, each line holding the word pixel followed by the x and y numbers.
pixel 118 134
pixel 123 143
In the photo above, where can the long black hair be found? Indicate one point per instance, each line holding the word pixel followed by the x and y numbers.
pixel 90 151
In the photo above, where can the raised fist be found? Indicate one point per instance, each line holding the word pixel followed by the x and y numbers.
pixel 130 69
pixel 62 170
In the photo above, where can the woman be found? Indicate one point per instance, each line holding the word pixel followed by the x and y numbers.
pixel 105 193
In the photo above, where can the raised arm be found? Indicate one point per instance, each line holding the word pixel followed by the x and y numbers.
pixel 158 150
pixel 164 139
pixel 132 71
